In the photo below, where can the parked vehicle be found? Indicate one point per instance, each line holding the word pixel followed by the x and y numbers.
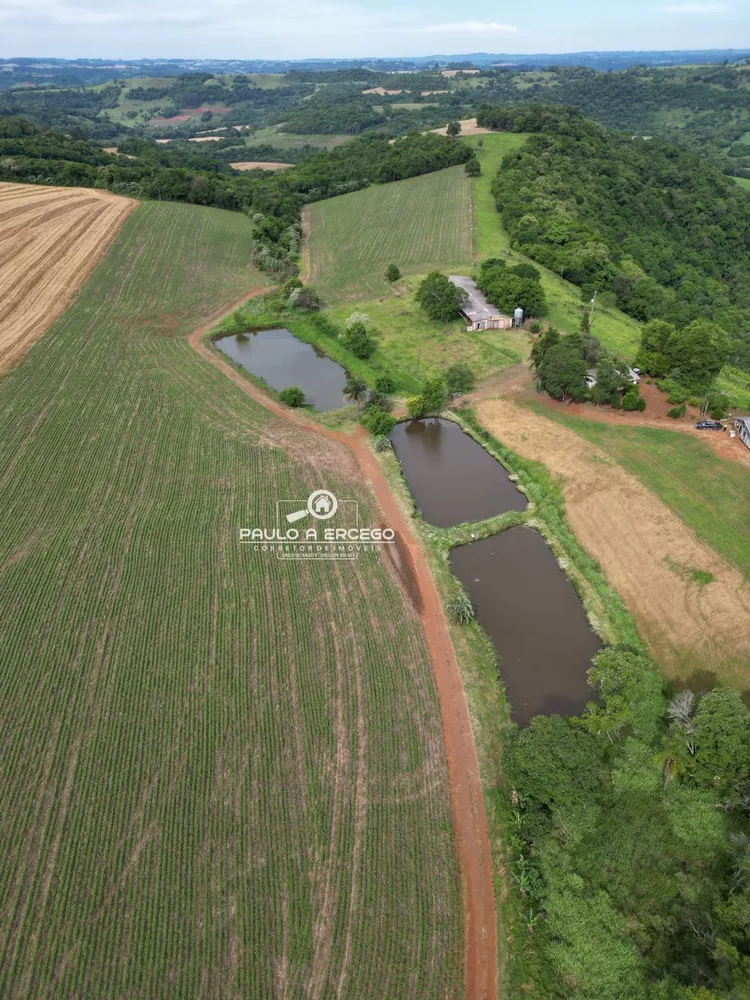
pixel 709 425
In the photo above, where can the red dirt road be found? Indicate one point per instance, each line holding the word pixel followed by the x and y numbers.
pixel 472 843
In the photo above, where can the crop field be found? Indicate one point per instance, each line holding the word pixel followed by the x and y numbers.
pixel 50 239
pixel 420 224
pixel 665 518
pixel 223 774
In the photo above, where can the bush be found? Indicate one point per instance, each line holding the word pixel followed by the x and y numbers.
pixel 292 396
pixel 461 610
pixel 677 411
pixel 472 167
pixel 415 407
pixel 535 327
pixel 385 384
pixel 392 273
pixel 305 298
pixel 383 443
pixel 630 399
pixel 459 378
pixel 381 400
pixel 377 421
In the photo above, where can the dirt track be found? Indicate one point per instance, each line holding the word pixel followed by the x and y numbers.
pixel 467 804
pixel 51 239
pixel 632 533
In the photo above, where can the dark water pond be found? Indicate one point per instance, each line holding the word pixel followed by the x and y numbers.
pixel 451 477
pixel 532 613
pixel 281 360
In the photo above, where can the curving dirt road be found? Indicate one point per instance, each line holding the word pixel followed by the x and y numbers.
pixel 469 820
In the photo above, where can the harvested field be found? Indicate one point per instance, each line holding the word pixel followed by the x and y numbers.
pixel 206 138
pixel 259 165
pixel 647 552
pixel 421 224
pixel 223 773
pixel 468 125
pixel 51 239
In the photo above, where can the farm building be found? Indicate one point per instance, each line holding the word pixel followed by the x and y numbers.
pixel 476 310
pixel 742 426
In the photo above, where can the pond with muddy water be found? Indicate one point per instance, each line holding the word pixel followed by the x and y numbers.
pixel 282 360
pixel 522 598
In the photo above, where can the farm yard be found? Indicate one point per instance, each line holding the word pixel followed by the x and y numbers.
pixel 422 223
pixel 666 520
pixel 221 776
pixel 51 239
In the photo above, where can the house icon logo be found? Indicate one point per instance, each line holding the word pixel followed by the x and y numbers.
pixel 322 504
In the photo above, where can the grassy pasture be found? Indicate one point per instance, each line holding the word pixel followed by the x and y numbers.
pixel 744 182
pixel 420 224
pixel 222 774
pixel 711 495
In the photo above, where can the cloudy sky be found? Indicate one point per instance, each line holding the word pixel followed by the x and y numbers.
pixel 291 29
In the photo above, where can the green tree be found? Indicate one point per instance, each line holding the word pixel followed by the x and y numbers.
pixel 453 128
pixel 392 273
pixel 610 381
pixel 473 167
pixel 722 739
pixel 355 391
pixel 459 378
pixel 562 372
pixel 433 396
pixel 439 297
pixel 549 338
pixel 358 341
pixel 698 352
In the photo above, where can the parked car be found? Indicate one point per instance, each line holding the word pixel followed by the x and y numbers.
pixel 709 425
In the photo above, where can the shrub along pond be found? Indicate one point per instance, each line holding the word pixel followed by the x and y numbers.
pixel 281 360
pixel 451 477
pixel 535 618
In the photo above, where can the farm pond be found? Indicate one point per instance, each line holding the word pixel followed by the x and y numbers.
pixel 522 598
pixel 451 477
pixel 282 360
pixel 535 618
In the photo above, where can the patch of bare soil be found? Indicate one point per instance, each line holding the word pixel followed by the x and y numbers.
pixel 50 240
pixel 259 165
pixel 635 537
pixel 468 125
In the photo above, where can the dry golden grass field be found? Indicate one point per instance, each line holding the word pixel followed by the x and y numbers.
pixel 647 552
pixel 50 239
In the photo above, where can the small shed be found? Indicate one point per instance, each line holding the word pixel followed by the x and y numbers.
pixel 742 426
pixel 476 310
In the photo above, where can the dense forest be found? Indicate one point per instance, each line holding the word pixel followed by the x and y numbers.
pixel 659 227
pixel 633 840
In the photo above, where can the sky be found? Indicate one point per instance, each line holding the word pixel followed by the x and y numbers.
pixel 296 29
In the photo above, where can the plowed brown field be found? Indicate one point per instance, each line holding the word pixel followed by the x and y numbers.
pixel 634 535
pixel 50 239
